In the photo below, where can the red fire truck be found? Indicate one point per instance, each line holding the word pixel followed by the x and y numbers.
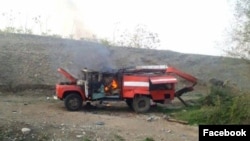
pixel 137 86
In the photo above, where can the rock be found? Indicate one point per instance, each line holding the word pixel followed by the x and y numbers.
pixel 165 117
pixel 25 131
pixel 153 117
pixel 156 118
pixel 55 98
pixel 99 123
pixel 79 136
pixel 150 119
pixel 14 111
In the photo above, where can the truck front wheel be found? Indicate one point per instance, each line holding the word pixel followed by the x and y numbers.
pixel 73 102
pixel 141 104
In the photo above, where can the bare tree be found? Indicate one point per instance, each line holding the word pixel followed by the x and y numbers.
pixel 140 37
pixel 240 37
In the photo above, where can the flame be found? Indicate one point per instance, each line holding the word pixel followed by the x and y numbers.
pixel 113 85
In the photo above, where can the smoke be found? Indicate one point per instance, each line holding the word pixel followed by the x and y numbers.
pixel 92 56
pixel 73 20
pixel 74 56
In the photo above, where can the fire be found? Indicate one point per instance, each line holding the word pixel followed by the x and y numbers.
pixel 113 85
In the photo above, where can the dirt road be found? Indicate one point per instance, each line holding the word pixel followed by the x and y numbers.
pixel 48 120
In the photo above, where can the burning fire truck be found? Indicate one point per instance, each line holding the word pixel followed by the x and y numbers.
pixel 137 86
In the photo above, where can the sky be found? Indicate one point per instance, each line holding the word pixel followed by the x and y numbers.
pixel 187 26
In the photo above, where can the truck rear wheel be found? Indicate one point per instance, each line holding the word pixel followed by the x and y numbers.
pixel 141 104
pixel 73 102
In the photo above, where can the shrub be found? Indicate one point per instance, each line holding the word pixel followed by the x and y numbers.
pixel 220 106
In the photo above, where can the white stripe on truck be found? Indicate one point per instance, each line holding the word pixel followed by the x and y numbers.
pixel 136 83
pixel 166 79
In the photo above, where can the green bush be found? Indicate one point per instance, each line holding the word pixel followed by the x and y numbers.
pixel 216 96
pixel 220 106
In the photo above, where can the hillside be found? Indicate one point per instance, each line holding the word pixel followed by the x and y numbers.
pixel 33 60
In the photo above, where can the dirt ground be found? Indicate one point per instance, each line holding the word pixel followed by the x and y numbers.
pixel 49 120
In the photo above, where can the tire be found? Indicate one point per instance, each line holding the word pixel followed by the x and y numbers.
pixel 141 104
pixel 73 102
pixel 129 102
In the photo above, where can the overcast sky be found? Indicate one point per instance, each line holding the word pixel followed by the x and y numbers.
pixel 188 26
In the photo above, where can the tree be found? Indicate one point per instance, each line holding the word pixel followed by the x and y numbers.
pixel 140 37
pixel 240 36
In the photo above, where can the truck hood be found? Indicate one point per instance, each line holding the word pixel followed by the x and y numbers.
pixel 67 75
